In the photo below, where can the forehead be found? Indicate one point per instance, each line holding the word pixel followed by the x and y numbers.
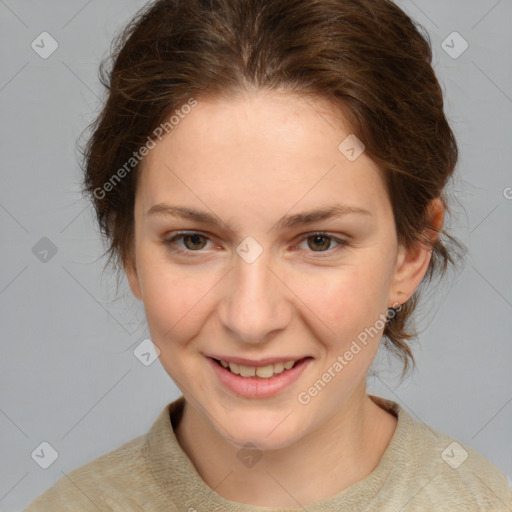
pixel 259 151
pixel 283 123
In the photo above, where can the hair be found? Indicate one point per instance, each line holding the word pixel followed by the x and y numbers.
pixel 366 57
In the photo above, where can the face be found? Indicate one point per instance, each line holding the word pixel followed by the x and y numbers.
pixel 250 281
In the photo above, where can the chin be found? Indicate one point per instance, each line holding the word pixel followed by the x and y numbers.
pixel 269 432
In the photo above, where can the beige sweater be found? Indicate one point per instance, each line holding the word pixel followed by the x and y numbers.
pixel 421 470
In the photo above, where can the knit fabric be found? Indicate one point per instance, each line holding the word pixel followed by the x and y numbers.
pixel 420 470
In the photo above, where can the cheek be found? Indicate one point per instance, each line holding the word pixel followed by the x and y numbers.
pixel 174 297
pixel 176 310
pixel 173 305
pixel 344 299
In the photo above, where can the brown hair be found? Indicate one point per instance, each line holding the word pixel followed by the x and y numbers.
pixel 366 56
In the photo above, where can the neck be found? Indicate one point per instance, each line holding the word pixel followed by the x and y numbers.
pixel 321 464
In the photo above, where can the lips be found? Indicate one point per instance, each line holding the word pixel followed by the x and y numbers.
pixel 256 386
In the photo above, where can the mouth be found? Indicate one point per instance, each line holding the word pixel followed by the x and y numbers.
pixel 262 381
pixel 267 371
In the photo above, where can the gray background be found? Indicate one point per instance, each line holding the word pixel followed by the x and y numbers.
pixel 68 372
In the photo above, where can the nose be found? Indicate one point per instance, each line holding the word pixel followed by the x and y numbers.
pixel 255 305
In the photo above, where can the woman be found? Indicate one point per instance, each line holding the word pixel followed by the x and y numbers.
pixel 270 177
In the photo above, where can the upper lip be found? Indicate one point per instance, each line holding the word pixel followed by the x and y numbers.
pixel 255 362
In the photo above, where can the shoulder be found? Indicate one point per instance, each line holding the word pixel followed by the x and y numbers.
pixel 461 475
pixel 435 470
pixel 97 485
pixel 118 481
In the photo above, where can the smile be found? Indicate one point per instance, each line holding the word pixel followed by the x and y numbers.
pixel 263 372
pixel 262 381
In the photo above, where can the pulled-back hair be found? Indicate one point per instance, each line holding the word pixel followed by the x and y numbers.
pixel 365 56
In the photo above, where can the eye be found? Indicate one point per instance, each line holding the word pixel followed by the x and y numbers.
pixel 321 242
pixel 193 242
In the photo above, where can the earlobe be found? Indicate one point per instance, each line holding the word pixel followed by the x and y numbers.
pixel 413 261
pixel 133 278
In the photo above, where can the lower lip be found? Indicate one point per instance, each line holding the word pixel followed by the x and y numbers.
pixel 254 387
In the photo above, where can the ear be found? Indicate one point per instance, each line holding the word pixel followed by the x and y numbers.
pixel 130 270
pixel 412 263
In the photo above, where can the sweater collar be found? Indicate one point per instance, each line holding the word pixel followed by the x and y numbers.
pixel 176 474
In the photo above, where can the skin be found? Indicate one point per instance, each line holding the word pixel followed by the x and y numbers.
pixel 250 160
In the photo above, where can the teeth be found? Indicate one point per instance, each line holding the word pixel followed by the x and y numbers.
pixel 278 367
pixel 264 372
pixel 247 371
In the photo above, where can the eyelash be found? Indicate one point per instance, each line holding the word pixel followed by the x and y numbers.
pixel 171 243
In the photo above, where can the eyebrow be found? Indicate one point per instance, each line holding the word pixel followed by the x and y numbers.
pixel 286 222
